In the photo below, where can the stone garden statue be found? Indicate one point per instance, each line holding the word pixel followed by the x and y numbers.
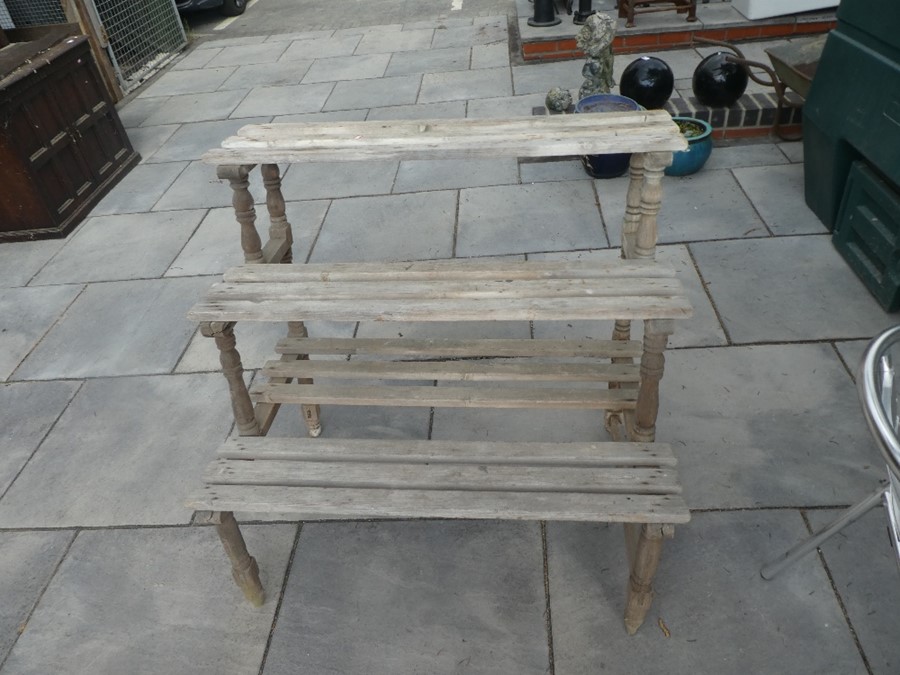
pixel 595 39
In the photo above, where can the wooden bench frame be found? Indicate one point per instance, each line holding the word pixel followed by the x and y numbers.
pixel 275 478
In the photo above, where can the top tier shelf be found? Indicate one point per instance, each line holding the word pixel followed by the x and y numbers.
pixel 544 136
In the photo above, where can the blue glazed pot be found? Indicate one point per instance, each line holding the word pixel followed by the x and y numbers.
pixel 606 166
pixel 686 162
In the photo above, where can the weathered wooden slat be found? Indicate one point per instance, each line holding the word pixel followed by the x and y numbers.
pixel 528 309
pixel 546 136
pixel 447 397
pixel 451 270
pixel 599 454
pixel 444 290
pixel 444 347
pixel 473 371
pixel 426 476
pixel 368 503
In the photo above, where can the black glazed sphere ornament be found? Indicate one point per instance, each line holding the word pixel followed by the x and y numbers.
pixel 717 82
pixel 649 81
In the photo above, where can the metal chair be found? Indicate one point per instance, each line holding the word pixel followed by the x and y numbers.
pixel 878 383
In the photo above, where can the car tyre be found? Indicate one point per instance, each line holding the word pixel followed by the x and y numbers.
pixel 233 7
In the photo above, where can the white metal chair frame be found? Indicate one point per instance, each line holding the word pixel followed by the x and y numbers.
pixel 879 390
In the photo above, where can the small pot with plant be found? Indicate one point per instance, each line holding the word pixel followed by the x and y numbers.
pixel 699 137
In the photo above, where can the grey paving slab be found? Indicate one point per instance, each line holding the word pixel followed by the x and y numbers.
pixel 490 56
pixel 504 106
pixel 21 260
pixel 267 75
pixel 197 108
pixel 135 112
pixel 198 188
pixel 385 42
pixel 357 421
pixel 442 23
pixel 196 58
pixel 26 314
pixel 177 82
pixel 414 597
pixel 284 100
pixel 701 330
pixel 142 445
pixel 245 55
pixel 523 218
pixel 153 601
pixel 396 227
pixel 140 189
pixel 793 151
pixel 323 180
pixel 540 78
pixel 487 82
pixel 215 246
pixel 347 68
pixel 374 93
pixel 721 616
pixel 707 205
pixel 146 140
pixel 421 111
pixel 28 411
pixel 852 353
pixel 332 116
pixel 255 343
pixel 320 48
pixel 302 35
pixel 775 425
pixel 777 194
pixel 550 171
pixel 231 41
pixel 429 61
pixel 117 328
pixel 463 36
pixel 192 140
pixel 365 29
pixel 787 289
pixel 864 568
pixel 421 175
pixel 27 562
pixel 757 154
pixel 131 246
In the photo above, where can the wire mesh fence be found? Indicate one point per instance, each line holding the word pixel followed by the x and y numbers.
pixel 143 36
pixel 24 13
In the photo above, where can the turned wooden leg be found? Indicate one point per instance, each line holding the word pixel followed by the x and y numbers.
pixel 244 211
pixel 279 227
pixel 244 569
pixel 656 334
pixel 655 164
pixel 233 370
pixel 644 545
pixel 310 412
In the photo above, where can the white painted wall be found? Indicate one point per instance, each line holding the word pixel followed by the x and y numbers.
pixel 762 9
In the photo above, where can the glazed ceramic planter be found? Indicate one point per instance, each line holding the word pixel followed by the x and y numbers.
pixel 699 137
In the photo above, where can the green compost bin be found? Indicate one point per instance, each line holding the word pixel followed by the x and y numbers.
pixel 851 142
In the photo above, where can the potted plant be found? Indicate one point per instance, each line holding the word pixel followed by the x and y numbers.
pixel 699 137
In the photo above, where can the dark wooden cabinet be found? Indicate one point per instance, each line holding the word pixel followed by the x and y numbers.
pixel 62 145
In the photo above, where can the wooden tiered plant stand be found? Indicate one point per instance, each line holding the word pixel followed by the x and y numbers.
pixel 629 480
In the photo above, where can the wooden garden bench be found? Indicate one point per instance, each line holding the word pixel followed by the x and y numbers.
pixel 630 481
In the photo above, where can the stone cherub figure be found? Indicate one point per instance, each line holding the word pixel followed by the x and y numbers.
pixel 595 39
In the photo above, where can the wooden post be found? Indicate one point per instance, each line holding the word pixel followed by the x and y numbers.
pixel 244 569
pixel 279 227
pixel 77 12
pixel 244 211
pixel 633 204
pixel 310 412
pixel 233 370
pixel 644 545
pixel 651 197
pixel 656 334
